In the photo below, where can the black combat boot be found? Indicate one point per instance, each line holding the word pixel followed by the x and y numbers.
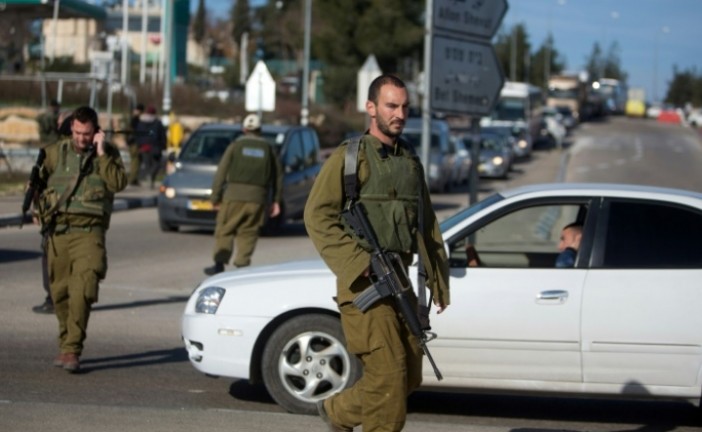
pixel 45 308
pixel 218 267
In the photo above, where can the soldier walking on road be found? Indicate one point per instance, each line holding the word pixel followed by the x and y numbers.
pixel 82 174
pixel 247 172
pixel 388 179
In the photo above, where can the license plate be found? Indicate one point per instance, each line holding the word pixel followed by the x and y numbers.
pixel 200 205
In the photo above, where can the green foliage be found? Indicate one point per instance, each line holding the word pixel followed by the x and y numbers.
pixel 600 66
pixel 241 20
pixel 685 87
pixel 513 44
pixel 200 22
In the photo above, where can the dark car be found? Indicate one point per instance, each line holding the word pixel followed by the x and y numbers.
pixel 184 198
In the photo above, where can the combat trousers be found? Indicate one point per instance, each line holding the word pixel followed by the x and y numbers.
pixel 392 369
pixel 237 222
pixel 77 262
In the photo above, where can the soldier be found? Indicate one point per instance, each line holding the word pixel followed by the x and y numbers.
pixel 82 174
pixel 390 184
pixel 48 123
pixel 247 172
pixel 134 154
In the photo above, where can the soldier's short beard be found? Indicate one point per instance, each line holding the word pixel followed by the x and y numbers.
pixel 384 127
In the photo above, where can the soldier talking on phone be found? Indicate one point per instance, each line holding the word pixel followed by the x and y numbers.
pixel 82 173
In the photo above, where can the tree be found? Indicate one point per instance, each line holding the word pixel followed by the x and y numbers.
pixel 241 20
pixel 200 23
pixel 600 66
pixel 685 87
pixel 514 44
pixel 351 30
pixel 547 55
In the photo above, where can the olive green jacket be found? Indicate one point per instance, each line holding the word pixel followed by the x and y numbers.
pixel 108 166
pixel 344 256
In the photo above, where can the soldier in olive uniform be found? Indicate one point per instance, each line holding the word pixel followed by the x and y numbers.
pixel 82 174
pixel 48 123
pixel 246 173
pixel 391 185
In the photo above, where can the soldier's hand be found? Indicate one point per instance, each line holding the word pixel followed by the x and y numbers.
pixel 439 307
pixel 275 209
pixel 99 141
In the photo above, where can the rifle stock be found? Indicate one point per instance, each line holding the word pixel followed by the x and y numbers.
pixel 389 279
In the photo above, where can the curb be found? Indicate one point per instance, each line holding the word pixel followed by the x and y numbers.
pixel 120 204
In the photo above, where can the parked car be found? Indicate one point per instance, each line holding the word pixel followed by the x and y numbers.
pixel 463 161
pixel 442 161
pixel 694 119
pixel 184 198
pixel 516 134
pixel 623 323
pixel 496 154
pixel 568 118
pixel 553 132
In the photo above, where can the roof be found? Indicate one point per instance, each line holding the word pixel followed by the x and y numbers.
pixel 604 189
pixel 43 9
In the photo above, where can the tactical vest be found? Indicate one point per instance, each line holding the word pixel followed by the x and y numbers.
pixel 251 162
pixel 91 196
pixel 390 197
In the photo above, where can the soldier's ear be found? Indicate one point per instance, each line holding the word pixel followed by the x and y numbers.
pixel 370 108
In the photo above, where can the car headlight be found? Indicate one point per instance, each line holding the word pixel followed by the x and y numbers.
pixel 497 160
pixel 433 171
pixel 209 299
pixel 168 192
pixel 522 143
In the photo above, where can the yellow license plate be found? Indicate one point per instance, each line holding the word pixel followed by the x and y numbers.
pixel 200 205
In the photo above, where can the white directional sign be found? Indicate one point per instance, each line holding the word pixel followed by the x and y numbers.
pixel 368 72
pixel 260 89
pixel 466 76
pixel 479 18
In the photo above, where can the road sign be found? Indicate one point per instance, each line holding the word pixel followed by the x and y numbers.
pixel 368 72
pixel 479 18
pixel 260 89
pixel 466 76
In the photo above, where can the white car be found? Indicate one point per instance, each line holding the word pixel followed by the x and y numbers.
pixel 624 322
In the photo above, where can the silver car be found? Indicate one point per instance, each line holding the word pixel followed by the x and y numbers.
pixel 184 198
pixel 442 161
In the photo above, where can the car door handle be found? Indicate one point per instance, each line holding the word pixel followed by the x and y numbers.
pixel 552 296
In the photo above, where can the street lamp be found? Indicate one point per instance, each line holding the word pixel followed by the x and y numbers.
pixel 664 30
pixel 304 111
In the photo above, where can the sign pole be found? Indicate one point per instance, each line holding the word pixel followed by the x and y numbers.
pixel 426 100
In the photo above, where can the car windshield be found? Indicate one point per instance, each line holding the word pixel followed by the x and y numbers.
pixel 208 146
pixel 415 139
pixel 510 108
pixel 467 212
pixel 490 142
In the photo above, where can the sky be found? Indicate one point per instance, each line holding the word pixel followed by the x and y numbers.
pixel 653 35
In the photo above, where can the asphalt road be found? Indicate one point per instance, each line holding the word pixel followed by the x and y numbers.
pixel 137 377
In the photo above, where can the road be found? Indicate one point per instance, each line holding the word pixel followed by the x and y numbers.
pixel 136 374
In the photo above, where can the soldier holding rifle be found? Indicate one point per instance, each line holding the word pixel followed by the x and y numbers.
pixel 386 177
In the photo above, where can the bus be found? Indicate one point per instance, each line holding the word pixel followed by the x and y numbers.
pixel 520 103
pixel 614 93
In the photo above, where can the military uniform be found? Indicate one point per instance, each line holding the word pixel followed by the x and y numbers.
pixel 247 171
pixel 76 232
pixel 391 184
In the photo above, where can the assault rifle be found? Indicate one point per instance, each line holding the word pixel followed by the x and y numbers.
pixel 389 279
pixel 36 185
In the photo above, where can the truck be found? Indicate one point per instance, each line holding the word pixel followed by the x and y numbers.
pixel 636 102
pixel 569 90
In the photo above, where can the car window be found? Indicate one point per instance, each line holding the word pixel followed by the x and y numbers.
pixel 294 157
pixel 415 139
pixel 525 238
pixel 310 148
pixel 651 235
pixel 207 147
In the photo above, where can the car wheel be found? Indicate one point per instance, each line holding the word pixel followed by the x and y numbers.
pixel 305 361
pixel 166 227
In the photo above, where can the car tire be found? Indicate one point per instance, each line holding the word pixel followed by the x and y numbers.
pixel 166 227
pixel 305 360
